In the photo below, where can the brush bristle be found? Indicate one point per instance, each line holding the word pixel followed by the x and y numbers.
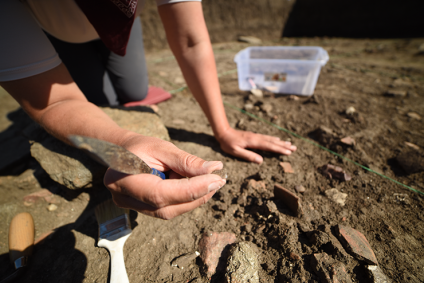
pixel 108 210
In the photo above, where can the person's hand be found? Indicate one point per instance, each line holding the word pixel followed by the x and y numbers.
pixel 168 198
pixel 235 142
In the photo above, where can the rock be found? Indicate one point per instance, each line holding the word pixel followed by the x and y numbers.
pixel 248 106
pixel 413 146
pixel 414 115
pixel 348 141
pixel 212 246
pixel 287 168
pixel 336 196
pixel 395 93
pixel 328 269
pixel 300 189
pixel 356 244
pixel 288 198
pixel 377 275
pixel 411 161
pixel 294 256
pixel 266 107
pixel 350 110
pixel 318 238
pixel 52 207
pixel 249 39
pixel 183 261
pixel 74 169
pixel 334 172
pixel 242 264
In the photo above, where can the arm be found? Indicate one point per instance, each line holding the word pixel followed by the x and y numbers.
pixel 54 101
pixel 189 40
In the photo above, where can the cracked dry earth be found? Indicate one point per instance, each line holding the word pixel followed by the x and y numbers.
pixel 302 225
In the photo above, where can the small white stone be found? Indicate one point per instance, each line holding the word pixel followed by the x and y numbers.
pixel 350 110
pixel 52 207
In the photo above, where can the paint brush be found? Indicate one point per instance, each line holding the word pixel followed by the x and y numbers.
pixel 114 230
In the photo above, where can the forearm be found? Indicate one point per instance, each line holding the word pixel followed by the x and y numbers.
pixel 54 101
pixel 190 43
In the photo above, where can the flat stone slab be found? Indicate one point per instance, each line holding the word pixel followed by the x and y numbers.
pixel 356 244
pixel 211 246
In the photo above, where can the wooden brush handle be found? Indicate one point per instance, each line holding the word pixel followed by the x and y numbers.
pixel 21 236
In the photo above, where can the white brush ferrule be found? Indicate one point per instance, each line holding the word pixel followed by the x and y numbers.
pixel 115 246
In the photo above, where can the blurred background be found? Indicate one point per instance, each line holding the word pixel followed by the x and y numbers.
pixel 273 19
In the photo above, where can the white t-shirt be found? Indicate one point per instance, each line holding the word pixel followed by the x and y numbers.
pixel 25 50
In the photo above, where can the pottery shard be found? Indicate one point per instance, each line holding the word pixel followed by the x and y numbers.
pixel 212 248
pixel 74 169
pixel 287 168
pixel 356 244
pixel 289 199
pixel 329 270
pixel 335 172
pixel 242 264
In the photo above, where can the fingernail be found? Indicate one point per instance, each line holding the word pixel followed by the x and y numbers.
pixel 258 159
pixel 216 165
pixel 216 185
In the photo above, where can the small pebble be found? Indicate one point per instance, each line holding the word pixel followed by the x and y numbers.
pixel 248 106
pixel 411 145
pixel 300 189
pixel 52 207
pixel 350 110
pixel 348 141
pixel 414 115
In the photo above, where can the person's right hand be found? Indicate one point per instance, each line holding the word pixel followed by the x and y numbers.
pixel 168 198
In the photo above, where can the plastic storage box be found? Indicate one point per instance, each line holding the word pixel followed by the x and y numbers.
pixel 289 70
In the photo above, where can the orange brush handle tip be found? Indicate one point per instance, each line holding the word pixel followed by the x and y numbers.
pixel 21 236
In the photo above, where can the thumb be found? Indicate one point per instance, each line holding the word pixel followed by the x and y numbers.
pixel 189 165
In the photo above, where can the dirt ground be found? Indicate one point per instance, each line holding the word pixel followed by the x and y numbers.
pixel 382 79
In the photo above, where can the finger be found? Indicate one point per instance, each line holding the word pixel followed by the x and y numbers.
pixel 268 143
pixel 159 193
pixel 189 165
pixel 247 155
pixel 167 212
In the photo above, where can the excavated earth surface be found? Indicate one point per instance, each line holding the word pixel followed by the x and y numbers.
pixel 383 80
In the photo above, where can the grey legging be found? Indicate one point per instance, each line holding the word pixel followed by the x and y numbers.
pixel 104 77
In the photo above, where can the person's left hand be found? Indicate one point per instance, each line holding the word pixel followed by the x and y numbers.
pixel 235 142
